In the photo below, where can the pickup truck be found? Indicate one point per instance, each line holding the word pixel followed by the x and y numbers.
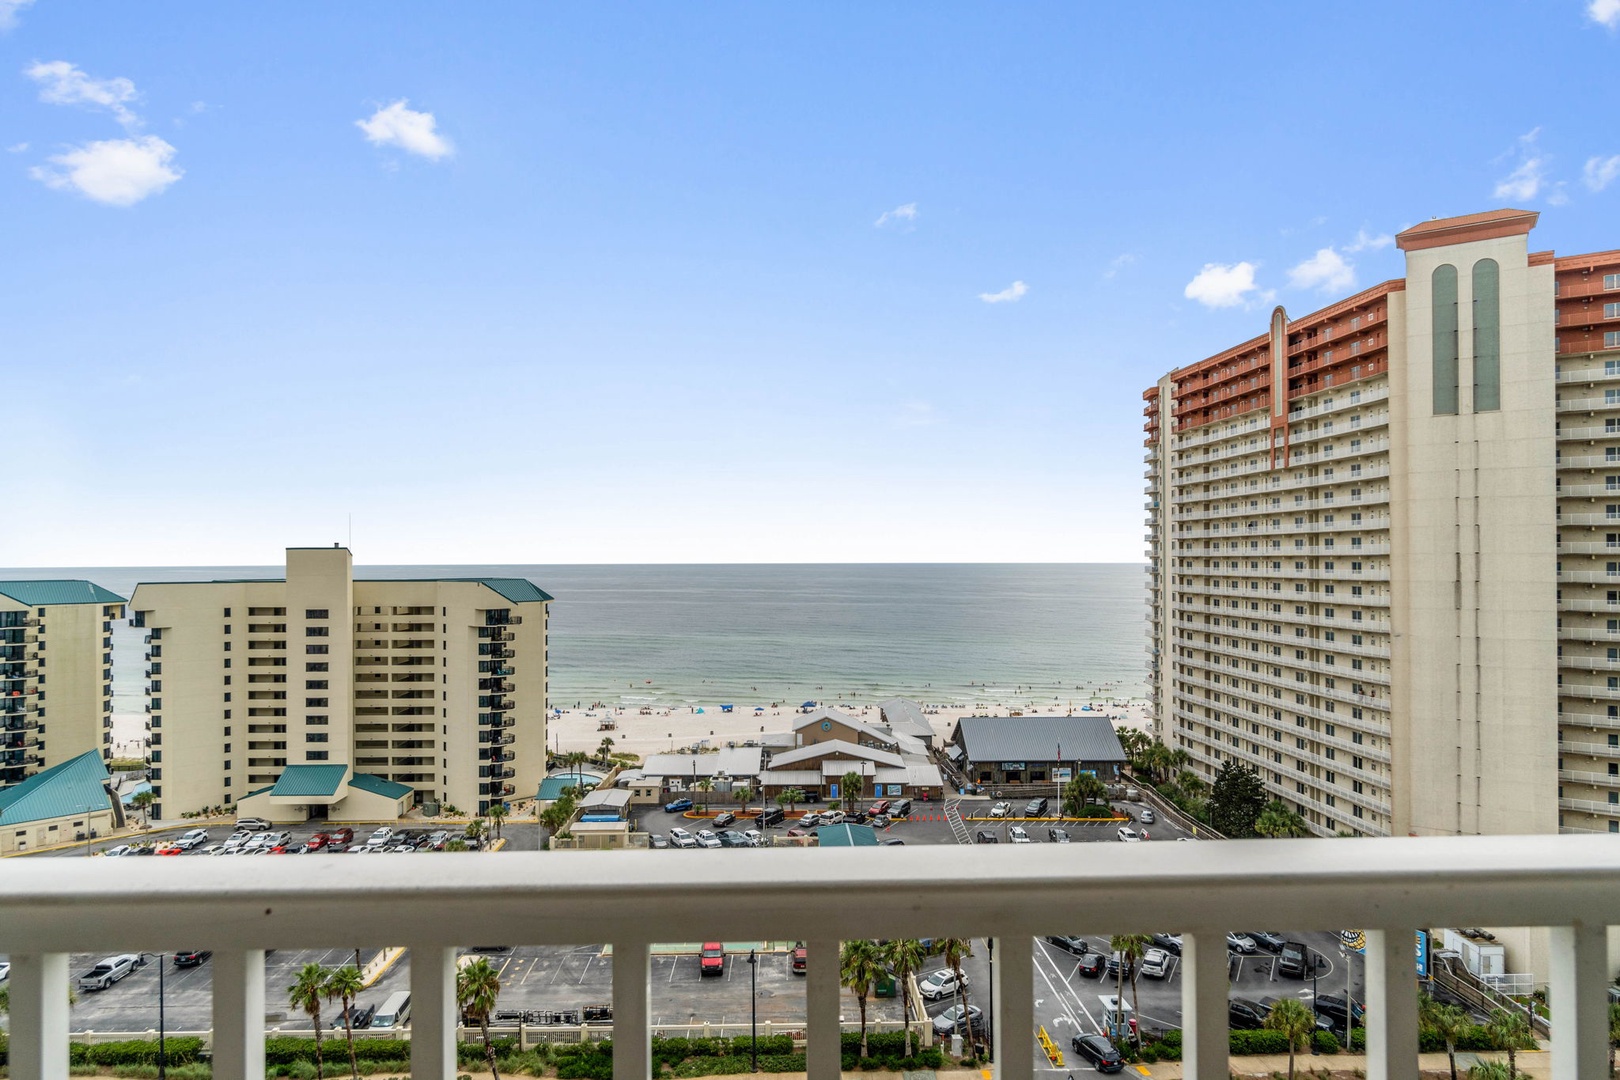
pixel 108 971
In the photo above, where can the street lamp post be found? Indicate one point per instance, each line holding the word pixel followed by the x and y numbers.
pixel 163 1064
pixel 753 1008
pixel 989 1040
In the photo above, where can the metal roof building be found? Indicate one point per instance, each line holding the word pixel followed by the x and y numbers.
pixel 1025 749
pixel 61 804
pixel 49 593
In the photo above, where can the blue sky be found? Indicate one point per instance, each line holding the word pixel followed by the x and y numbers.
pixel 712 283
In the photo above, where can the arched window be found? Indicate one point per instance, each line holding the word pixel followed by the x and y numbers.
pixel 1445 340
pixel 1487 337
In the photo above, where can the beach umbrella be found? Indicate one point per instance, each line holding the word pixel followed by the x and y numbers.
pixel 700 710
pixel 808 705
pixel 759 708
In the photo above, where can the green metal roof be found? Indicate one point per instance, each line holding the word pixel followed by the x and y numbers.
pixel 551 788
pixel 46 593
pixel 376 785
pixel 296 780
pixel 60 791
pixel 846 836
pixel 516 590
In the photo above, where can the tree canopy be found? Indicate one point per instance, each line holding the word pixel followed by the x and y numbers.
pixel 1236 800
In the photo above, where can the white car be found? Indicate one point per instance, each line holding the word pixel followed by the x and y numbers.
pixel 5 971
pixel 1129 835
pixel 116 852
pixel 195 834
pixel 682 839
pixel 832 817
pixel 1242 943
pixel 754 837
pixel 1001 809
pixel 940 984
pixel 212 849
pixel 1017 835
pixel 1155 964
pixel 380 837
pixel 1147 817
pixel 705 838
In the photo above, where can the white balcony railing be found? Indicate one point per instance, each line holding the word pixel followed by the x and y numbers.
pixel 242 907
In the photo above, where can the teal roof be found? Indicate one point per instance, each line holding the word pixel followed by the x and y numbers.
pixel 60 791
pixel 551 788
pixel 846 836
pixel 46 593
pixel 376 785
pixel 516 590
pixel 296 780
pixel 257 791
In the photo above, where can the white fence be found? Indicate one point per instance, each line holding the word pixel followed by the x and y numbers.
pixel 240 907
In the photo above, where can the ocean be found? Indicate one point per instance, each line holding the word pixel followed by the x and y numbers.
pixel 1032 635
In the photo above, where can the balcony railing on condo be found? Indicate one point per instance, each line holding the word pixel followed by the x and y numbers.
pixel 631 900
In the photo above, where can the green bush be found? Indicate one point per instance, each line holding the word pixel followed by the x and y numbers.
pixel 177 1051
pixel 590 1065
pixel 1325 1042
pixel 779 1063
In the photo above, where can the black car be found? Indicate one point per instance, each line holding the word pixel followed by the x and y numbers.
pixel 1091 965
pixel 732 838
pixel 1333 1006
pixel 360 1018
pixel 1272 943
pixel 1269 1003
pixel 1116 960
pixel 1245 1015
pixel 722 819
pixel 1035 808
pixel 1099 1051
pixel 1170 943
pixel 1295 960
pixel 1074 945
pixel 982 837
pixel 191 957
pixel 1058 836
pixel 900 809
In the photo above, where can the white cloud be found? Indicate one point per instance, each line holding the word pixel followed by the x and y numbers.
pixel 1525 181
pixel 1326 270
pixel 1218 285
pixel 118 172
pixel 1606 12
pixel 900 216
pixel 61 83
pixel 1364 242
pixel 9 10
pixel 1600 172
pixel 1011 294
pixel 17 148
pixel 1120 262
pixel 411 131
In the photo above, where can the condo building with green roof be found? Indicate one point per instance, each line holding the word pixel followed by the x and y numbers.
pixel 55 673
pixel 319 695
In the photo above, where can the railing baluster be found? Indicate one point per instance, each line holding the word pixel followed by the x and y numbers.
pixel 1205 1040
pixel 1579 999
pixel 433 1013
pixel 39 1016
pixel 632 1034
pixel 1013 1024
pixel 238 1014
pixel 1392 1025
pixel 824 1053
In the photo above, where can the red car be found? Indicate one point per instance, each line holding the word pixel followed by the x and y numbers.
pixel 712 960
pixel 801 957
pixel 344 835
pixel 879 807
pixel 318 841
pixel 171 849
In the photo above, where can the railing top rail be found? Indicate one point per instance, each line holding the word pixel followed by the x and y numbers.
pixel 82 905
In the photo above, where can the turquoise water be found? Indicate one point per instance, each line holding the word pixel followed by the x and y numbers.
pixel 753 634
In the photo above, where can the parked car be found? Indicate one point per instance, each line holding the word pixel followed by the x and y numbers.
pixel 1294 959
pixel 1075 945
pixel 952 1019
pixel 380 837
pixel 1239 943
pixel 1098 1050
pixel 724 818
pixel 359 1016
pixel 712 958
pixel 1147 816
pixel 108 971
pixel 982 837
pixel 1091 965
pixel 1058 836
pixel 191 957
pixel 1170 943
pixel 1322 1022
pixel 879 807
pixel 1035 808
pixel 343 835
pixel 801 958
pixel 171 849
pixel 5 970
pixel 658 840
pixel 1017 835
pixel 732 838
pixel 1155 964
pixel 940 984
pixel 707 839
pixel 682 839
pixel 1245 1015
pixel 677 806
pixel 1333 1006
pixel 254 824
pixel 1001 809
pixel 900 809
pixel 832 817
pixel 1129 835
pixel 1116 960
pixel 892 841
pixel 754 837
pixel 1272 943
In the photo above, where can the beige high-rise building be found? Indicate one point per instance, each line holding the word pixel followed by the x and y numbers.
pixel 55 673
pixel 319 695
pixel 1385 545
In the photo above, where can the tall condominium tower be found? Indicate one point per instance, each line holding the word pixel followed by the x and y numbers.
pixel 1385 545
pixel 319 695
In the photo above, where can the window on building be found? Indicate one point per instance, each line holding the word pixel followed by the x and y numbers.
pixel 1444 339
pixel 1487 336
pixel 315 613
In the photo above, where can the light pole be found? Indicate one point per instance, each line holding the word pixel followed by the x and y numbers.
pixel 989 1038
pixel 163 1064
pixel 753 1008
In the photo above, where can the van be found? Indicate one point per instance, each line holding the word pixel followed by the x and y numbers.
pixel 900 809
pixel 395 1012
pixel 1292 959
pixel 770 817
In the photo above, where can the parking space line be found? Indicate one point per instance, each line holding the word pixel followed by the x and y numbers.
pixel 673 964
pixel 588 961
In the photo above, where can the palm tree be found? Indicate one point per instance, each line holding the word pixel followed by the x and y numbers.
pixel 1449 1022
pixel 850 784
pixel 497 814
pixel 143 802
pixel 1295 1022
pixel 1129 947
pixel 605 749
pixel 1509 1030
pixel 860 966
pixel 1614 1031
pixel 1488 1070
pixel 955 950
pixel 345 984
pixel 455 843
pixel 1277 821
pixel 795 796
pixel 555 816
pixel 475 829
pixel 306 995
pixel 704 786
pixel 744 795
pixel 904 956
pixel 477 986
pixel 1082 791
